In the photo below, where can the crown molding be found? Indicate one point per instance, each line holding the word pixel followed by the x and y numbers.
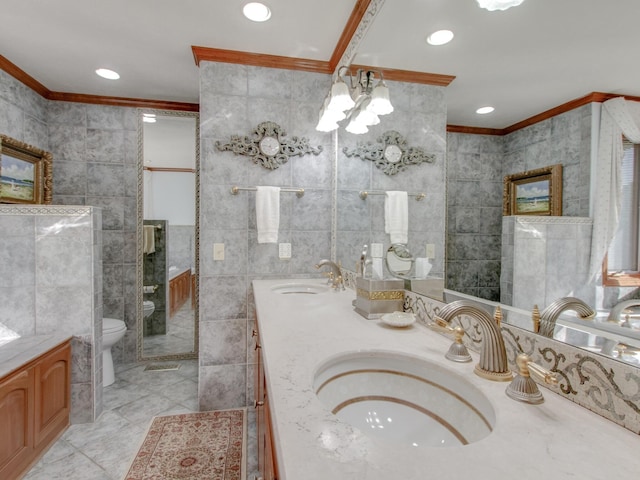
pixel 123 101
pixel 201 54
pixel 23 77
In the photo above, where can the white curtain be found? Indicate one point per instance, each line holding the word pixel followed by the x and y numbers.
pixel 616 119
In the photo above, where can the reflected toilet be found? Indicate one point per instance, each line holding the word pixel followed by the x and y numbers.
pixel 148 307
pixel 112 331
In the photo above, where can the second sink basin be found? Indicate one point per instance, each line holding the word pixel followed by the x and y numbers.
pixel 299 288
pixel 404 399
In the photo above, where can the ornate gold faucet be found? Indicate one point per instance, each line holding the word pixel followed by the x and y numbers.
pixel 523 388
pixel 493 363
pixel 550 314
pixel 335 274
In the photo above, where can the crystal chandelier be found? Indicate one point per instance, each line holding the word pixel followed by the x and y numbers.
pixel 356 100
pixel 492 5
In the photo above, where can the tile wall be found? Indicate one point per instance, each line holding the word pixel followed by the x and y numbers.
pixel 51 282
pixel 95 155
pixel 94 151
pixel 476 166
pixel 234 99
pixel 419 116
pixel 474 214
pixel 182 247
pixel 545 258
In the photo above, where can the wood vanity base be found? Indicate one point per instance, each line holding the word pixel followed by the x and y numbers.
pixel 35 401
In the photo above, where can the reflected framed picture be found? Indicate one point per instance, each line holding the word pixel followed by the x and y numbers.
pixel 534 192
pixel 25 173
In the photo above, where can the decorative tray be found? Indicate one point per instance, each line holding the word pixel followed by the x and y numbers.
pixel 398 319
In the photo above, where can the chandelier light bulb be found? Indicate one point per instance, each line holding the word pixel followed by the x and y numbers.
pixel 353 96
pixel 380 103
pixel 340 98
pixel 356 128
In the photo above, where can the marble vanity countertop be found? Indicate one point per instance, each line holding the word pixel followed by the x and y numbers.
pixel 21 351
pixel 555 440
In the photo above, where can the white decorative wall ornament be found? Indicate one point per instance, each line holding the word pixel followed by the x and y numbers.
pixel 268 147
pixel 391 154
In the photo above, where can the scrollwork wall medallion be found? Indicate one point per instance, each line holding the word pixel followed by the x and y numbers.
pixel 391 154
pixel 268 147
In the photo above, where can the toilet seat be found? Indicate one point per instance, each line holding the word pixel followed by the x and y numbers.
pixel 112 325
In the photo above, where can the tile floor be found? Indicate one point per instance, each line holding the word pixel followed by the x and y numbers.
pixel 179 337
pixel 103 450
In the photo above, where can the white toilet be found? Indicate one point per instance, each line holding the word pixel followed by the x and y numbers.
pixel 148 308
pixel 112 331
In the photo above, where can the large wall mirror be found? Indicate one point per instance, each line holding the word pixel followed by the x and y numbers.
pixel 168 240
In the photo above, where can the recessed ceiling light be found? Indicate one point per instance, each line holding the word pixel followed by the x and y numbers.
pixel 440 37
pixel 108 74
pixel 485 110
pixel 257 12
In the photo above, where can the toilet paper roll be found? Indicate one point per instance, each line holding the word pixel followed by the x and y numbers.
pixel 148 289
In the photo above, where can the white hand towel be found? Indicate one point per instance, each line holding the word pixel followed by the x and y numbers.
pixel 149 239
pixel 396 216
pixel 268 213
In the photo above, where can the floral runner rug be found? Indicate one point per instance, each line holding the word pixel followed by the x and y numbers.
pixel 193 446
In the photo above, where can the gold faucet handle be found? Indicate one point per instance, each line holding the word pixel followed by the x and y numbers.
pixel 528 368
pixel 329 275
pixel 439 325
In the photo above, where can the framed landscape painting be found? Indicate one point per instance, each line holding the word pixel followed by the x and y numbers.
pixel 534 192
pixel 25 173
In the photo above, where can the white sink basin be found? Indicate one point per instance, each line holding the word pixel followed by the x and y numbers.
pixel 299 288
pixel 404 399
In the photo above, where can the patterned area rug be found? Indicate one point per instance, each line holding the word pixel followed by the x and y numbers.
pixel 193 446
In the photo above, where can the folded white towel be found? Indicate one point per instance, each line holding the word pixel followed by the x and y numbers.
pixel 149 239
pixel 396 216
pixel 268 213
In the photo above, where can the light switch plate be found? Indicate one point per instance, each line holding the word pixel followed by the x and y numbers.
pixel 376 250
pixel 430 250
pixel 218 251
pixel 284 250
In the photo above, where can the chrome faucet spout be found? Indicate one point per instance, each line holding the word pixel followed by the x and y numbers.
pixel 335 273
pixel 493 363
pixel 550 315
pixel 615 314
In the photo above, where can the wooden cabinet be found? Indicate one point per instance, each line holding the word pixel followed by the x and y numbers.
pixel 16 410
pixel 266 455
pixel 179 291
pixel 34 409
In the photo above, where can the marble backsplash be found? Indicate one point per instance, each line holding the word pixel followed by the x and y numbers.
pixel 603 385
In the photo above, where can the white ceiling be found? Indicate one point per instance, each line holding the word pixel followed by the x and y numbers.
pixel 522 61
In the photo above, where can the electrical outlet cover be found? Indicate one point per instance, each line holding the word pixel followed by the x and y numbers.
pixel 284 250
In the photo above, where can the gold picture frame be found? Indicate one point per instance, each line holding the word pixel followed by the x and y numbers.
pixel 534 192
pixel 26 175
